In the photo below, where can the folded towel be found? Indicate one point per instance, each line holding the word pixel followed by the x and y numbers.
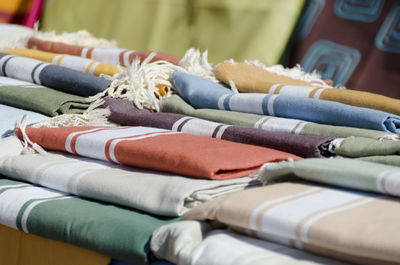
pixel 193 242
pixel 253 79
pixel 9 115
pixel 69 61
pixel 113 56
pixel 125 113
pixel 392 160
pixel 350 173
pixel 158 149
pixel 52 76
pixel 107 229
pixel 38 98
pixel 361 146
pixel 176 104
pixel 202 93
pixel 151 191
pixel 357 227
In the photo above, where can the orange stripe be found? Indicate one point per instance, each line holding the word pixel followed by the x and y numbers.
pixel 88 67
pixel 89 53
pixel 311 95
pixel 107 147
pixel 75 138
pixel 59 60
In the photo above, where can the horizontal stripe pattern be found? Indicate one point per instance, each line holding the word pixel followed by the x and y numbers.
pixel 159 149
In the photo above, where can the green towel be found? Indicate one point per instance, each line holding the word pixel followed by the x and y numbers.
pixel 361 146
pixel 392 160
pixel 114 231
pixel 342 172
pixel 41 99
pixel 175 104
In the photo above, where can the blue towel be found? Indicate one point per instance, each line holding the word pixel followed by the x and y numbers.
pixel 201 93
pixel 8 116
pixel 52 76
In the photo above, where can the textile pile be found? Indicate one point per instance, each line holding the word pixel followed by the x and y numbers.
pixel 115 156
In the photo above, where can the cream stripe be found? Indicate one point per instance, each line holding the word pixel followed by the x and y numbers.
pixel 221 101
pixel 126 58
pixel 37 173
pixel 176 124
pixel 25 215
pixel 260 122
pixel 38 70
pixel 56 58
pixel 296 91
pixel 270 106
pixel 134 138
pixel 254 215
pixel 93 67
pixel 273 88
pixel 94 144
pixel 300 127
pixel 12 186
pixel 306 227
pixel 318 93
pixel 84 52
pixel 12 200
pixel 221 131
pixel 201 127
pixel 388 182
pixel 68 146
pixel 283 219
pixel 2 60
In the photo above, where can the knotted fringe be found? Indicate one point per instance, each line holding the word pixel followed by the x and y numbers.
pixel 29 146
pixel 196 63
pixel 93 117
pixel 296 73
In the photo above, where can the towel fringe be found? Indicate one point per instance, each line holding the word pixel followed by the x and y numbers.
pixel 29 146
pixel 95 117
pixel 196 63
pixel 335 144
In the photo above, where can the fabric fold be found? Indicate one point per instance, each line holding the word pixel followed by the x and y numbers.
pixel 201 93
pixel 193 242
pixel 52 76
pixel 342 172
pixel 254 79
pixel 38 98
pixel 125 113
pixel 158 149
pixel 360 147
pixel 175 104
pixel 69 61
pixel 151 191
pixel 342 224
pixel 107 229
pixel 113 56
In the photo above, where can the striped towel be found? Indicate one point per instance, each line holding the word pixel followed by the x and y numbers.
pixel 350 173
pixel 38 98
pixel 360 147
pixel 113 56
pixel 69 61
pixel 9 115
pixel 391 160
pixel 176 104
pixel 123 112
pixel 106 229
pixel 202 93
pixel 223 247
pixel 159 149
pixel 253 79
pixel 356 227
pixel 52 76
pixel 165 194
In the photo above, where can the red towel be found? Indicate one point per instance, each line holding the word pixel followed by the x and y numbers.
pixel 159 149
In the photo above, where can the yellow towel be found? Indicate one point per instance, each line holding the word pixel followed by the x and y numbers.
pixel 19 248
pixel 250 78
pixel 74 62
